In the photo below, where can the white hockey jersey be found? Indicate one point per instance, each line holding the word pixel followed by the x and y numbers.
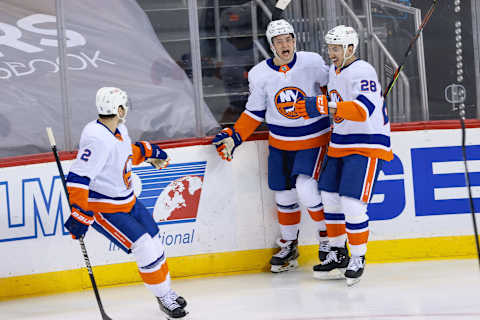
pixel 100 177
pixel 361 123
pixel 273 92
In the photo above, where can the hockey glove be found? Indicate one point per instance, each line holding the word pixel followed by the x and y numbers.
pixel 153 154
pixel 78 222
pixel 226 141
pixel 312 107
pixel 159 158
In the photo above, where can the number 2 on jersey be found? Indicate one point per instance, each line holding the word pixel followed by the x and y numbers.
pixel 86 154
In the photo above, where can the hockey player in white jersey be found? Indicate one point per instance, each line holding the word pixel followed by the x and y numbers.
pixel 101 194
pixel 296 145
pixel 360 144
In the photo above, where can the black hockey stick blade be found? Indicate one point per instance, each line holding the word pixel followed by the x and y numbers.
pixel 278 11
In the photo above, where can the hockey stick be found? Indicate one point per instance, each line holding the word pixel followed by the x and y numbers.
pixel 278 10
pixel 410 46
pixel 53 145
pixel 456 94
pixel 467 181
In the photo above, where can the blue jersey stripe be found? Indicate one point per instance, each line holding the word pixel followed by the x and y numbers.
pixel 334 216
pixel 357 226
pixel 370 106
pixel 361 138
pixel 75 178
pixel 98 195
pixel 315 127
pixel 260 114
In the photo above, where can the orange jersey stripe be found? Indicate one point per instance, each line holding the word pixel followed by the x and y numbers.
pixel 350 110
pixel 105 207
pixel 358 238
pixel 155 277
pixel 288 219
pixel 78 196
pixel 368 183
pixel 294 145
pixel 112 230
pixel 367 152
pixel 316 215
pixel 335 230
pixel 245 125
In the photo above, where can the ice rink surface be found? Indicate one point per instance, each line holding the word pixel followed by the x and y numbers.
pixel 430 290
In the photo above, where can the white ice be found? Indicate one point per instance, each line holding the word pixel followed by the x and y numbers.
pixel 430 290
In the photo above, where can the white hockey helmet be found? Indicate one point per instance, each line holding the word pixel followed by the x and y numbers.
pixel 344 36
pixel 276 28
pixel 109 99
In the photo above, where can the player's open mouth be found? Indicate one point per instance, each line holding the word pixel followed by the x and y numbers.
pixel 286 52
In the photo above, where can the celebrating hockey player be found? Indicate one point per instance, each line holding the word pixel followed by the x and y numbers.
pixel 360 143
pixel 101 194
pixel 297 145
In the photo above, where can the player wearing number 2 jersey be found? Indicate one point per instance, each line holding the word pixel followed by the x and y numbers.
pixel 360 143
pixel 101 194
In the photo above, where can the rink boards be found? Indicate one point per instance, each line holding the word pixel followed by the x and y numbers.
pixel 219 217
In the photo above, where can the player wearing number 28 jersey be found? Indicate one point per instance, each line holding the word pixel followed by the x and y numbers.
pixel 360 124
pixel 359 145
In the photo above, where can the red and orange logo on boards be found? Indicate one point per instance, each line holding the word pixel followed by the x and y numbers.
pixel 335 96
pixel 285 101
pixel 127 172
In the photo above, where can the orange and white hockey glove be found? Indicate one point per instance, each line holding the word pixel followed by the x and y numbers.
pixel 312 107
pixel 226 141
pixel 153 154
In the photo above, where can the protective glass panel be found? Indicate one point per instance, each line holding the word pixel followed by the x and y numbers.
pixel 228 53
pixel 123 50
pixel 29 77
pixel 395 29
pixel 449 56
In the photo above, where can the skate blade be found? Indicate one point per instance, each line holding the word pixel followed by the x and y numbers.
pixel 292 265
pixel 352 281
pixel 187 317
pixel 335 274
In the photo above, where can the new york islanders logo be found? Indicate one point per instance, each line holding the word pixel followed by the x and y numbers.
pixel 172 194
pixel 335 96
pixel 285 101
pixel 127 172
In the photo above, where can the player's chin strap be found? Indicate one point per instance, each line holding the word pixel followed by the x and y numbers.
pixel 456 94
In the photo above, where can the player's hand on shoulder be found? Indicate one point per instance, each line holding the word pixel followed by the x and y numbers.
pixel 226 141
pixel 78 222
pixel 311 107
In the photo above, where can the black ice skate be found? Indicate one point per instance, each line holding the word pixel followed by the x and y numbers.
pixel 355 270
pixel 286 258
pixel 323 250
pixel 179 299
pixel 171 305
pixel 333 267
